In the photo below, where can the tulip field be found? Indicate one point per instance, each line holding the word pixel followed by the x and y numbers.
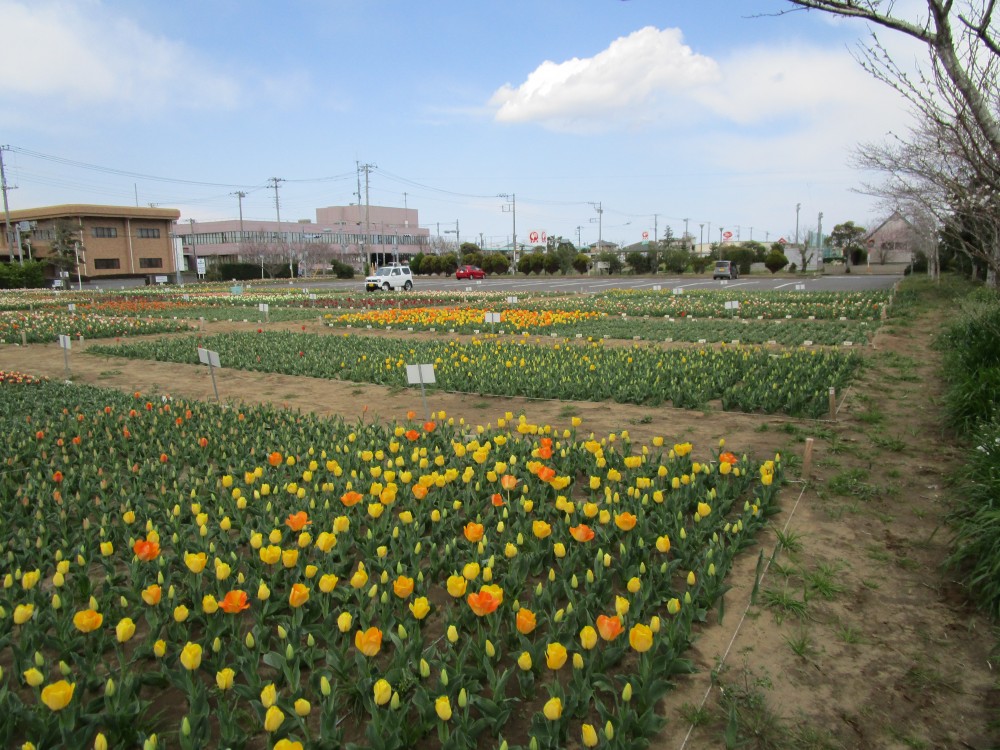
pixel 190 575
pixel 179 574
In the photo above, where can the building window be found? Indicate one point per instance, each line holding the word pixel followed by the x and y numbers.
pixel 106 263
pixel 150 262
pixel 149 234
pixel 105 232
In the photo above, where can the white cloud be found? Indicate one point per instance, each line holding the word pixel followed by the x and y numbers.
pixel 76 55
pixel 627 83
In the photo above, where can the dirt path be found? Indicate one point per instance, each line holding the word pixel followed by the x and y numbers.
pixel 857 639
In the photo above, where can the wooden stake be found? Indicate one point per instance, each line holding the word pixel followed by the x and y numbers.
pixel 807 459
pixel 833 404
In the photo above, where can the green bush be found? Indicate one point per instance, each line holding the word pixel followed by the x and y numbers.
pixel 342 270
pixel 775 261
pixel 27 275
pixel 971 362
pixel 237 271
pixel 581 263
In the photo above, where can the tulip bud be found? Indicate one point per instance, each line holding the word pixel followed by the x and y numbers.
pixel 109 688
pixel 249 640
pixel 39 659
pixel 186 727
pixel 463 698
pixel 444 677
pixel 425 668
pixel 609 730
pixel 627 692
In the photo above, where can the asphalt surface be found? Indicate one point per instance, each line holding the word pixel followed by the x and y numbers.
pixel 860 280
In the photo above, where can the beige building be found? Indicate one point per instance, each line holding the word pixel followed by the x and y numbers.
pixel 895 240
pixel 115 241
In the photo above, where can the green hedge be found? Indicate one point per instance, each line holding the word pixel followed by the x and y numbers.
pixel 30 274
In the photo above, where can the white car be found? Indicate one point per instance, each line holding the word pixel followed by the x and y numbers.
pixel 390 277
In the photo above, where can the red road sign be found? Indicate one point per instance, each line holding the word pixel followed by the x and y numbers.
pixel 783 241
pixel 533 237
pixel 645 235
pixel 727 235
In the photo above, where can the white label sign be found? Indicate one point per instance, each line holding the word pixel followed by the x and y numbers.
pixel 263 307
pixel 512 300
pixel 208 357
pixel 733 305
pixel 416 374
pixel 72 307
pixel 678 290
pixel 65 342
pixel 657 287
pixel 201 266
pixel 492 318
pixel 800 287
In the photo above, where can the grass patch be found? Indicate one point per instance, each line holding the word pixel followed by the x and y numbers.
pixel 887 442
pixel 822 581
pixel 783 603
pixel 109 373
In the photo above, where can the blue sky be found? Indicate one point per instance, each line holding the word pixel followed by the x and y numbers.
pixel 710 110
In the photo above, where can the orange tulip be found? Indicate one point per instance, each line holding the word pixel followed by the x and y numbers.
pixel 402 587
pixel 274 459
pixel 146 550
pixel 298 521
pixel 88 620
pixel 429 426
pixel 411 435
pixel 483 603
pixel 234 602
pixel 473 531
pixel 351 498
pixel 526 621
pixel 728 458
pixel 609 627
pixel 152 594
pixel 368 642
pixel 625 521
pixel 582 533
pixel 508 482
pixel 497 499
pixel 419 491
pixel 298 596
pixel 546 473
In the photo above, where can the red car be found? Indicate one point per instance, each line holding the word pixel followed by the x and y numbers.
pixel 470 272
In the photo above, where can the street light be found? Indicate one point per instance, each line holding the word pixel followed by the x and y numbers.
pixel 511 206
pixel 194 251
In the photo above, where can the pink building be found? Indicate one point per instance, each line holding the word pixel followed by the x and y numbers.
pixel 355 235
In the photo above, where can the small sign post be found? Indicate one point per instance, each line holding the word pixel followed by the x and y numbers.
pixel 492 318
pixel 512 300
pixel 421 374
pixel 65 343
pixel 678 290
pixel 265 310
pixel 210 358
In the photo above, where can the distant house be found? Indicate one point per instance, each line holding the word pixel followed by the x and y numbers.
pixel 895 240
pixel 115 241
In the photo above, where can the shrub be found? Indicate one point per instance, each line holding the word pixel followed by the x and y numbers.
pixel 581 263
pixel 775 261
pixel 27 275
pixel 238 271
pixel 971 363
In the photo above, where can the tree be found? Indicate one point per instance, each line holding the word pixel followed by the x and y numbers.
pixel 64 248
pixel 775 261
pixel 950 164
pixel 846 240
pixel 677 259
pixel 581 263
pixel 639 262
pixel 612 260
pixel 758 249
pixel 551 263
pixel 496 263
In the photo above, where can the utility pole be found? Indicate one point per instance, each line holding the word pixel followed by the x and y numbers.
pixel 797 207
pixel 578 228
pixel 600 233
pixel 6 211
pixel 819 239
pixel 367 168
pixel 701 235
pixel 720 242
pixel 687 240
pixel 194 251
pixel 511 206
pixel 275 181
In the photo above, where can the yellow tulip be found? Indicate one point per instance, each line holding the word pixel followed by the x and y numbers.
pixel 23 613
pixel 224 678
pixel 58 695
pixel 302 707
pixel 191 656
pixel 33 677
pixel 269 695
pixel 552 709
pixel 383 692
pixel 195 562
pixel 273 719
pixel 124 630
pixel 442 707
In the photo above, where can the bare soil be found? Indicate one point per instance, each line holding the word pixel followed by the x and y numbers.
pixel 857 639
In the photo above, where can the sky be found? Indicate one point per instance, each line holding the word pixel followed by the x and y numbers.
pixel 616 118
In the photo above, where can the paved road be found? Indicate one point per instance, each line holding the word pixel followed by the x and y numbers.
pixel 589 284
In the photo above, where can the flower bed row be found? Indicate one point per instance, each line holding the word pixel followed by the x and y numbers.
pixel 42 326
pixel 741 378
pixel 230 576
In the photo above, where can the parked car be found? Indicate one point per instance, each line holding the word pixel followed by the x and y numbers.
pixel 725 269
pixel 470 272
pixel 393 276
